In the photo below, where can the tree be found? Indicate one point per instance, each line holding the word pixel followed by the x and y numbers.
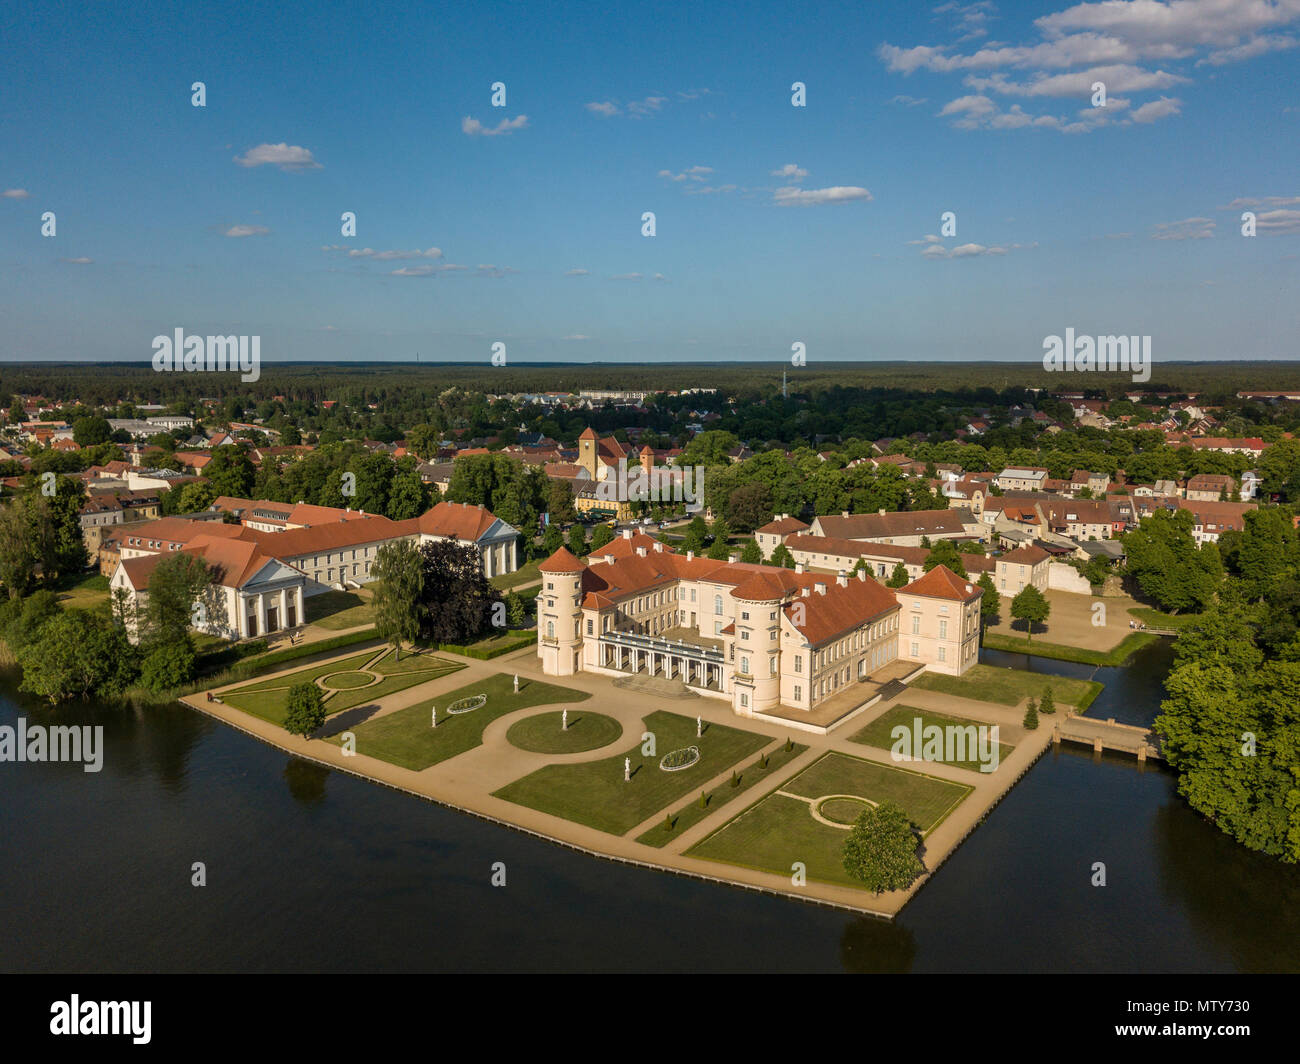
pixel 782 557
pixel 168 666
pixel 1169 568
pixel 695 534
pixel 899 577
pixel 78 654
pixel 1031 716
pixel 578 540
pixel 881 849
pixel 408 496
pixel 1048 703
pixel 516 610
pixel 21 620
pixel 177 584
pixel 1030 606
pixel 231 471
pixel 750 506
pixel 990 602
pixel 601 536
pixel 195 497
pixel 552 540
pixel 752 552
pixel 89 431
pixel 720 549
pixel 457 598
pixel 945 552
pixel 304 710
pixel 397 577
pixel 559 502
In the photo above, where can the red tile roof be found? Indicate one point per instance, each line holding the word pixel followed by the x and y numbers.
pixel 942 582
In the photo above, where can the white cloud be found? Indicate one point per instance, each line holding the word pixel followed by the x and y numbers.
pixel 648 106
pixel 812 197
pixel 82 261
pixel 15 193
pixel 626 277
pixel 1157 109
pixel 1126 44
pixel 1262 201
pixel 693 173
pixel 288 157
pixel 577 336
pixel 660 277
pixel 791 172
pixel 246 230
pixel 605 109
pixel 1279 221
pixel 909 101
pixel 1185 229
pixel 474 128
pixel 412 271
pixel 385 256
pixel 579 272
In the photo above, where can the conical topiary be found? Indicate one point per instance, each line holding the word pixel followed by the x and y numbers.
pixel 1048 704
pixel 1031 716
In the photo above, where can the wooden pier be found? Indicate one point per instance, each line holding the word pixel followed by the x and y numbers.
pixel 1101 735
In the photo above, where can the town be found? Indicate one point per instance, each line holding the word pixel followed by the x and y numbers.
pixel 388 587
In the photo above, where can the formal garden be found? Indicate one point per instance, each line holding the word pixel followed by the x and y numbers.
pixel 410 738
pixel 809 817
pixel 880 733
pixel 618 792
pixel 346 684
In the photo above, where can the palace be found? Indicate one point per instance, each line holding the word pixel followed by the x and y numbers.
pixel 761 637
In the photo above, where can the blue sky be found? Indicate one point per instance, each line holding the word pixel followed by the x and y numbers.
pixel 1123 219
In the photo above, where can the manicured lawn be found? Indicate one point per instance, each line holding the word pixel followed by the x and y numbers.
pixel 986 683
pixel 266 698
pixel 692 814
pixel 507 639
pixel 526 575
pixel 336 610
pixel 88 593
pixel 1157 619
pixel 405 738
pixel 879 733
pixel 779 830
pixel 1117 655
pixel 594 793
pixel 544 733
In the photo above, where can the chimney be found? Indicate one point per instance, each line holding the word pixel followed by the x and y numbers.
pixel 844 513
pixel 641 551
pixel 690 556
pixel 798 567
pixel 881 513
pixel 862 575
pixel 820 588
pixel 970 589
pixel 804 592
pixel 627 533
pixel 841 579
pixel 733 557
pixel 658 546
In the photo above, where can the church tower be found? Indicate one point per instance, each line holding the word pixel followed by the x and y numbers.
pixel 587 452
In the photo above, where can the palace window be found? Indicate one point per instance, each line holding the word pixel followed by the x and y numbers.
pixel 916 625
pixel 717 605
pixel 943 629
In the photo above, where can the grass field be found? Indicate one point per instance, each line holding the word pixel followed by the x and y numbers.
pixel 779 830
pixel 336 610
pixel 545 734
pixel 1157 619
pixel 878 732
pixel 986 683
pixel 266 698
pixel 526 574
pixel 1117 655
pixel 406 738
pixel 88 593
pixel 692 814
pixel 594 793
